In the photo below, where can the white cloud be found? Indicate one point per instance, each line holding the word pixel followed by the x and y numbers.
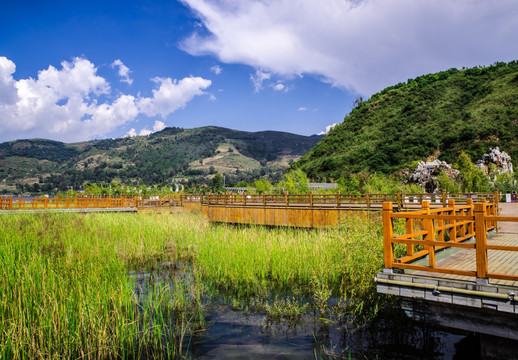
pixel 279 87
pixel 216 69
pixel 124 71
pixel 70 104
pixel 131 133
pixel 303 108
pixel 328 128
pixel 157 126
pixel 363 45
pixel 8 91
pixel 145 132
pixel 258 78
pixel 172 95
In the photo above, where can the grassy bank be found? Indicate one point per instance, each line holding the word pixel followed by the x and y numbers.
pixel 65 290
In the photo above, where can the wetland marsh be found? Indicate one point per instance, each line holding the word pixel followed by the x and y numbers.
pixel 174 286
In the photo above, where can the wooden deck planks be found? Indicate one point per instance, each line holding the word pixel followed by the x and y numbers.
pixel 504 262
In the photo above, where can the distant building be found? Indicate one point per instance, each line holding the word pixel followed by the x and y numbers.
pixel 325 186
pixel 239 190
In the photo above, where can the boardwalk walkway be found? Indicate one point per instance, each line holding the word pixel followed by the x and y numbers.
pixel 502 262
pixel 508 209
pixel 462 277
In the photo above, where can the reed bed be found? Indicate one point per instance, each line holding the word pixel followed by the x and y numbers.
pixel 65 289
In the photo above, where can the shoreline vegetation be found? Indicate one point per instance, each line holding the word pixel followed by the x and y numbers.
pixel 111 285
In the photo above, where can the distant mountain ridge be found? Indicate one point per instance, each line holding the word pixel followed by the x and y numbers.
pixel 438 114
pixel 187 155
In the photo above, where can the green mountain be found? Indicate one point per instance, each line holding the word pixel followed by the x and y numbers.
pixel 437 114
pixel 189 156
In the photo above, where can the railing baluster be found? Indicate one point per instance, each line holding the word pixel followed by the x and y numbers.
pixel 388 234
pixel 481 242
pixel 430 235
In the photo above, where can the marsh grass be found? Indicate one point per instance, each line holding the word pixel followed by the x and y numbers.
pixel 65 289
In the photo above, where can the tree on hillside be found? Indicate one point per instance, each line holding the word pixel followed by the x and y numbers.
pixel 263 186
pixel 216 184
pixel 473 179
pixel 295 182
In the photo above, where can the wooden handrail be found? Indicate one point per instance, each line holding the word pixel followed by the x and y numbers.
pixel 441 228
pixel 368 200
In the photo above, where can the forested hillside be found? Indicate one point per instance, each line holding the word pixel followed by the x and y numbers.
pixel 188 156
pixel 437 114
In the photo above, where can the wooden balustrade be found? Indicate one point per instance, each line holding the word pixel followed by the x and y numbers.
pixel 21 203
pixel 370 201
pixel 428 231
pixel 403 201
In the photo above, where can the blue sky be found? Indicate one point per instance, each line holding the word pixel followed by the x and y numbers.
pixel 79 70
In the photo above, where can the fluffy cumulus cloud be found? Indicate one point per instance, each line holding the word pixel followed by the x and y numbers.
pixel 157 126
pixel 8 92
pixel 124 71
pixel 74 103
pixel 328 128
pixel 172 95
pixel 362 45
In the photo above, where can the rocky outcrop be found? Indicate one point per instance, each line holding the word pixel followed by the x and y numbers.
pixel 500 159
pixel 424 174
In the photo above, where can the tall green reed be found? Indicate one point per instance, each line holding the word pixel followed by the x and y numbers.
pixel 65 289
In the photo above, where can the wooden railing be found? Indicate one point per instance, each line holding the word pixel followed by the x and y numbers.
pixel 20 203
pixel 430 230
pixel 403 201
pixel 375 201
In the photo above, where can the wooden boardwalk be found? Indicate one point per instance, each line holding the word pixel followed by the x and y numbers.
pixel 502 262
pixel 318 210
pixel 461 261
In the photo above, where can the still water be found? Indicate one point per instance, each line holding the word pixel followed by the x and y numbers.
pixel 237 334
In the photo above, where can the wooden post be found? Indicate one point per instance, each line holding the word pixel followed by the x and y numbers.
pixel 444 201
pixel 496 199
pixel 388 234
pixel 368 199
pixel 453 230
pixel 430 235
pixel 481 242
pixel 286 200
pixel 440 224
pixel 57 202
pixel 399 200
pixel 310 199
pixel 471 226
pixel 338 199
pixel 409 230
pixel 20 201
pixel 264 200
pixel 496 212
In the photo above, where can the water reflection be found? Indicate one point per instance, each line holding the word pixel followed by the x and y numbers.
pixel 233 334
pixel 229 333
